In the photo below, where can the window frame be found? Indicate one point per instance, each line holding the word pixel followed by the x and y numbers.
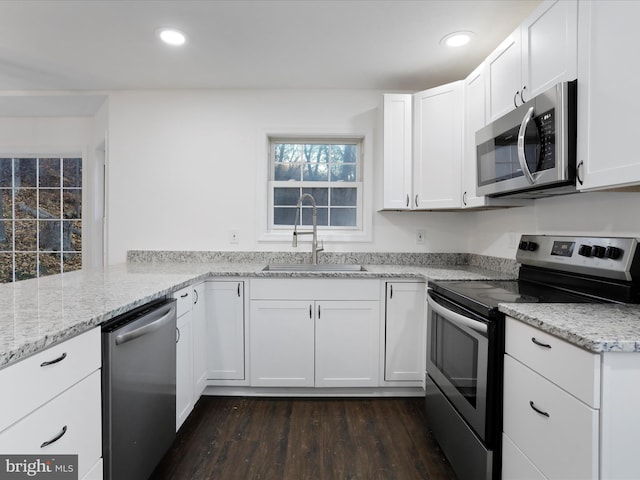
pixel 265 189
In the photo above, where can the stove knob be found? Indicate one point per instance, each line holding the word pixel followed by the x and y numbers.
pixel 598 251
pixel 584 250
pixel 523 245
pixel 532 246
pixel 613 253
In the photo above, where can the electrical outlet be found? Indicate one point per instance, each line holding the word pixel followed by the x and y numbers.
pixel 234 237
pixel 420 237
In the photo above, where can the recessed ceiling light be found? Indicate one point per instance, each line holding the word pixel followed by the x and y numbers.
pixel 171 36
pixel 456 39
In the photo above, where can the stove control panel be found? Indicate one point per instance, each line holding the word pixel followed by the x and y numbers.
pixel 611 257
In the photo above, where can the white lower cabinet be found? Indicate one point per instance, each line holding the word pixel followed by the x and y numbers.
pixel 405 332
pixel 568 413
pixel 51 403
pixel 225 332
pixel 70 422
pixel 331 340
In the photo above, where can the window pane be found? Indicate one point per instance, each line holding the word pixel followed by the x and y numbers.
pixel 320 195
pixel 285 172
pixel 50 264
pixel 26 202
pixel 72 236
pixel 72 207
pixel 285 196
pixel 343 217
pixel 6 267
pixel 307 216
pixel 72 172
pixel 344 153
pixel 344 197
pixel 314 153
pixel 71 262
pixel 343 173
pixel 6 235
pixel 6 203
pixel 49 240
pixel 284 216
pixel 315 172
pixel 26 265
pixel 49 203
pixel 287 153
pixel 5 172
pixel 49 172
pixel 25 172
pixel 26 233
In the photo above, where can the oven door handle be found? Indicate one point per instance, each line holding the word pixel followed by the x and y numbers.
pixel 456 317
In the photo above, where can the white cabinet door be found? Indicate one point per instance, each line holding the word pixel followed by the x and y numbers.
pixel 549 46
pixel 199 319
pixel 503 77
pixel 607 103
pixel 397 151
pixel 474 120
pixel 225 331
pixel 282 343
pixel 405 332
pixel 184 368
pixel 437 147
pixel 539 54
pixel 347 343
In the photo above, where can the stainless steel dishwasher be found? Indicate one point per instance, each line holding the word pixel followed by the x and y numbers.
pixel 139 390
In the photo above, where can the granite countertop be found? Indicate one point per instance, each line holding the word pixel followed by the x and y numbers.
pixel 38 313
pixel 599 328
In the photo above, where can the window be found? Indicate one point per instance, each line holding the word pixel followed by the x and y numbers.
pixel 329 170
pixel 40 217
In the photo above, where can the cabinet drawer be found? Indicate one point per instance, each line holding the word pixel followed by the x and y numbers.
pixel 184 300
pixel 79 409
pixel 28 384
pixel 571 368
pixel 315 289
pixel 563 444
pixel 515 465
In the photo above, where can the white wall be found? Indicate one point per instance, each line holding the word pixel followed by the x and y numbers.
pixel 497 232
pixel 184 170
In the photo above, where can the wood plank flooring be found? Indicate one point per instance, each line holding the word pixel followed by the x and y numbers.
pixel 305 438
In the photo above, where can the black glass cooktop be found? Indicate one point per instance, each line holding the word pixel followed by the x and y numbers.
pixel 486 295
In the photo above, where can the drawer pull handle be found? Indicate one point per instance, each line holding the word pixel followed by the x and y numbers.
pixel 537 410
pixel 55 360
pixel 184 295
pixel 56 438
pixel 539 343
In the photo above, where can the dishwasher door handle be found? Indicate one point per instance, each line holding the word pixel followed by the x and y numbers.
pixel 166 313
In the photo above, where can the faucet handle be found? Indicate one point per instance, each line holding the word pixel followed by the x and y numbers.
pixel 321 249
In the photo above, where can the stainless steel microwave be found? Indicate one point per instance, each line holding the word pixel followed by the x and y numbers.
pixel 531 151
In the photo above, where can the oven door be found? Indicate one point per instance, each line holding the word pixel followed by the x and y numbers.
pixel 457 359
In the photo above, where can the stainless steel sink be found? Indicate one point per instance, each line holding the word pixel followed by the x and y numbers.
pixel 305 267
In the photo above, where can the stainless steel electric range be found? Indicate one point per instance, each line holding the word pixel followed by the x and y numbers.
pixel 465 342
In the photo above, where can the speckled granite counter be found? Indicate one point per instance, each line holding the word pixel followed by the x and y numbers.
pixel 594 327
pixel 38 313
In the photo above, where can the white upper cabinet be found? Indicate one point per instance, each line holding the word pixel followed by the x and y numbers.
pixel 397 151
pixel 437 147
pixel 607 103
pixel 474 120
pixel 539 54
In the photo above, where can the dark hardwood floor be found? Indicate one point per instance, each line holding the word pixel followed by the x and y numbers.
pixel 305 438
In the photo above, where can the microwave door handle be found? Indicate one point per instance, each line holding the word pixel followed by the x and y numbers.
pixel 521 155
pixel 456 317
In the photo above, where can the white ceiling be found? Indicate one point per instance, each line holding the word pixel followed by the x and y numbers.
pixel 352 44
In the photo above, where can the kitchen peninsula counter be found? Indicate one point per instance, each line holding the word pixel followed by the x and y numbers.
pixel 38 313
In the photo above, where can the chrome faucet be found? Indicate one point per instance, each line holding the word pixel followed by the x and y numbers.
pixel 314 232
